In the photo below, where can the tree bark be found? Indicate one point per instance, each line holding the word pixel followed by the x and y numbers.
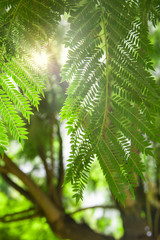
pixel 61 224
pixel 50 210
pixel 135 227
pixel 67 228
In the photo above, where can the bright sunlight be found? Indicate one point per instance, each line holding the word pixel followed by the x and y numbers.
pixel 40 59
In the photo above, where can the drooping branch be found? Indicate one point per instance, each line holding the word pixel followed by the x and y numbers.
pixel 17 187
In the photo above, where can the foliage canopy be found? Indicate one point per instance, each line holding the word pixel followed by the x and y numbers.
pixel 113 100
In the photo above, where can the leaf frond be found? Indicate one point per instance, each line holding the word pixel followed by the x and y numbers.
pixel 112 97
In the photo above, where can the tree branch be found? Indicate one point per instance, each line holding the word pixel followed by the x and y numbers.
pixel 92 207
pixel 3 170
pixel 51 141
pixel 20 218
pixel 13 217
pixel 20 212
pixel 43 158
pixel 17 187
pixel 61 166
pixel 50 210
pixel 69 229
pixel 52 191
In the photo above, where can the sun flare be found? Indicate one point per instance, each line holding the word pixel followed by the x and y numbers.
pixel 40 59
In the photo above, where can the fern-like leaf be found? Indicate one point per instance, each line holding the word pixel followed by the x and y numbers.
pixel 112 98
pixel 23 25
pixel 3 138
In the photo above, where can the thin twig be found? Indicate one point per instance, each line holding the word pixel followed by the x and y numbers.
pixel 44 161
pixel 92 207
pixel 18 188
pixel 61 166
pixel 20 218
pixel 52 191
pixel 14 216
pixel 18 213
pixel 51 143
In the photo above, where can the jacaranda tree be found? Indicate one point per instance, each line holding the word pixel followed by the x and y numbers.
pixel 112 102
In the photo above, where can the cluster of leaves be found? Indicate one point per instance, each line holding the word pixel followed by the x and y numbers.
pixel 23 25
pixel 112 98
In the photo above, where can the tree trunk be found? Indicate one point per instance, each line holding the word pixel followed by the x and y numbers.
pixel 135 227
pixel 67 228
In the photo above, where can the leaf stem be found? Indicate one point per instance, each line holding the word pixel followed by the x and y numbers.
pixel 105 119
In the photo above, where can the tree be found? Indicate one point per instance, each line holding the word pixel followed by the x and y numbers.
pixel 111 108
